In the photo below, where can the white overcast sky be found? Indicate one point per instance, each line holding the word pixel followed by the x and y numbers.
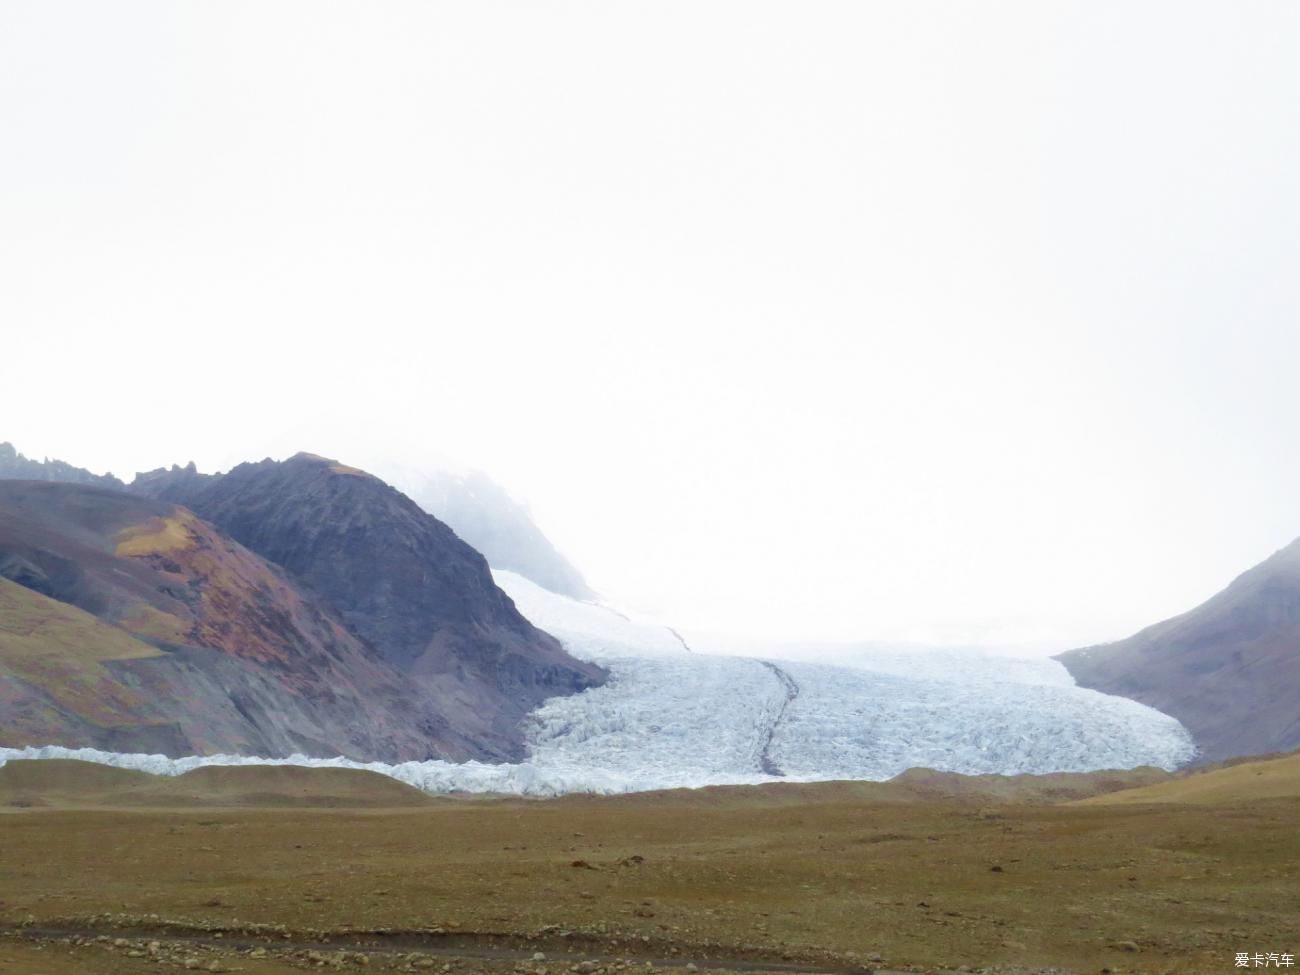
pixel 942 321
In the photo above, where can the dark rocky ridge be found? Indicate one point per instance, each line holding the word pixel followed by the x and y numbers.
pixel 1229 669
pixel 401 579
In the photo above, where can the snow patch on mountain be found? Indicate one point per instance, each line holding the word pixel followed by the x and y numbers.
pixel 589 630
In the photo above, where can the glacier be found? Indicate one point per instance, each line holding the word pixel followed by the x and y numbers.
pixel 671 717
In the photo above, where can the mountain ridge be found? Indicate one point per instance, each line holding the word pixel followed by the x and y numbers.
pixel 330 560
pixel 1228 669
pixel 427 600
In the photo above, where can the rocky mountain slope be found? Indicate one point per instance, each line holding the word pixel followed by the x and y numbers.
pixel 1229 669
pixel 130 623
pixel 401 580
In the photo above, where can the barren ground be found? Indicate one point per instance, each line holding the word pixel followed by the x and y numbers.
pixel 722 878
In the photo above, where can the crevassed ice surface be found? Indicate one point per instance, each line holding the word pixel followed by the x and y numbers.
pixel 669 717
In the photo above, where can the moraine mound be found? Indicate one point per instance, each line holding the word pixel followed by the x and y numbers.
pixel 276 786
pixel 64 782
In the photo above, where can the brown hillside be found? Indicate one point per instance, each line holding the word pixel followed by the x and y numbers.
pixel 1229 670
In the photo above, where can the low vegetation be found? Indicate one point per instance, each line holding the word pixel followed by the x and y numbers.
pixel 59 651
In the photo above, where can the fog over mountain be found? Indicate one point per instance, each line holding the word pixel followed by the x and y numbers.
pixel 935 323
pixel 484 514
pixel 15 466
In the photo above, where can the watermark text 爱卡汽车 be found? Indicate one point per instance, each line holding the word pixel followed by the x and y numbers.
pixel 1265 959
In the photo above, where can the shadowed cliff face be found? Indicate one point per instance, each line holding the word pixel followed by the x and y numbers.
pixel 1229 670
pixel 401 579
pixel 131 624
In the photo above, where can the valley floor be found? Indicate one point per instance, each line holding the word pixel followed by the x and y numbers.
pixel 725 878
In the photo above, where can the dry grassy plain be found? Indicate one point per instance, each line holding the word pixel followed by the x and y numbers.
pixel 821 875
